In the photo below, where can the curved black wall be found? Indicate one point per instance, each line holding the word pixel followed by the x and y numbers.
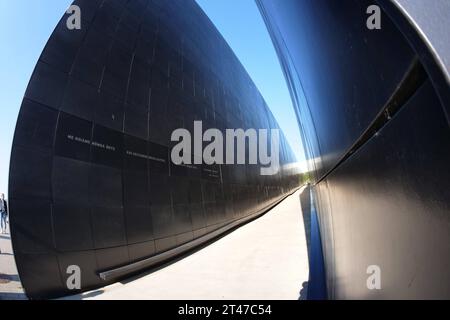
pixel 372 108
pixel 91 183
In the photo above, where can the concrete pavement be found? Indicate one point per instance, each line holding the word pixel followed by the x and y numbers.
pixel 265 259
pixel 10 286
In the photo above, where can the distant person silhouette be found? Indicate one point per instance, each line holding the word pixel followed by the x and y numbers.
pixel 4 213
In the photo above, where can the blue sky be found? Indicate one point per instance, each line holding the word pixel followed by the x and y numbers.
pixel 25 26
pixel 242 26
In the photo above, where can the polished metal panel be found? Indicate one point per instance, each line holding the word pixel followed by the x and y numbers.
pixel 91 183
pixel 373 108
pixel 336 65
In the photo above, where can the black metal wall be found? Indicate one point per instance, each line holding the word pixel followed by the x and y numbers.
pixel 372 107
pixel 91 183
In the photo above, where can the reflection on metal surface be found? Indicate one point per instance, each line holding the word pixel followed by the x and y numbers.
pixel 377 135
